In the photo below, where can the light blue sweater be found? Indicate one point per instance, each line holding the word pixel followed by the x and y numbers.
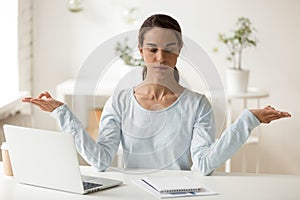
pixel 181 136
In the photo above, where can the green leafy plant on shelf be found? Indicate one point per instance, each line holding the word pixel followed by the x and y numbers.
pixel 243 36
pixel 125 52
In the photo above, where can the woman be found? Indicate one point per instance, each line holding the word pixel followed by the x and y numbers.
pixel 159 123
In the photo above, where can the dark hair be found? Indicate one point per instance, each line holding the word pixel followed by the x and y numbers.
pixel 161 21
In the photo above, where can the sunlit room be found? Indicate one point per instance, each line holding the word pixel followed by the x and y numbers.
pixel 228 114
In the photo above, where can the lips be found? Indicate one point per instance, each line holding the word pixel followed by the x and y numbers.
pixel 161 67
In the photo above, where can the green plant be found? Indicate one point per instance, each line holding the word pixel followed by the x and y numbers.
pixel 125 52
pixel 237 40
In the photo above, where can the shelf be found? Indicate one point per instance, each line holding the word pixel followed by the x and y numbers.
pixel 252 93
pixel 11 103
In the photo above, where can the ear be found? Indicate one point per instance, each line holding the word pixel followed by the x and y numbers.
pixel 141 51
pixel 179 50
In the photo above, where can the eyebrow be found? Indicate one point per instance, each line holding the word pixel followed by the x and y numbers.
pixel 170 44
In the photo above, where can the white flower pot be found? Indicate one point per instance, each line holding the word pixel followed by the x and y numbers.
pixel 237 80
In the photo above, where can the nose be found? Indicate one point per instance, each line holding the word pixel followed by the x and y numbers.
pixel 160 56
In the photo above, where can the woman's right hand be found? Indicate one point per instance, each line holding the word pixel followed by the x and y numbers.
pixel 44 102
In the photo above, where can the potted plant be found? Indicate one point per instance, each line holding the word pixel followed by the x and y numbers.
pixel 236 41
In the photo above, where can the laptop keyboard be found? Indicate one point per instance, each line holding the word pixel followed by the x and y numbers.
pixel 88 185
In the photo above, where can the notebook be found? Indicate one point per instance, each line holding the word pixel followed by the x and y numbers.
pixel 172 186
pixel 48 159
pixel 176 184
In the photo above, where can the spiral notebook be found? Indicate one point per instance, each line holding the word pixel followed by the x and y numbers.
pixel 175 186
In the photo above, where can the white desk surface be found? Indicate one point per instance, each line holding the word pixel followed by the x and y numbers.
pixel 229 186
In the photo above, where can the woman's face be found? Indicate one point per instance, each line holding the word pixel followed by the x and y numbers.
pixel 160 48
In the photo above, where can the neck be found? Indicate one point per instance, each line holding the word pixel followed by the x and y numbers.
pixel 158 88
pixel 167 80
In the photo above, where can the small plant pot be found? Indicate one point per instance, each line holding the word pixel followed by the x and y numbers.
pixel 237 80
pixel 7 168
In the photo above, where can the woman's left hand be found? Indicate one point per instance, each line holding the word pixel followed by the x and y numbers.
pixel 268 114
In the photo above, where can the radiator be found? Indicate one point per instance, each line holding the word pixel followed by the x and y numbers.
pixel 16 119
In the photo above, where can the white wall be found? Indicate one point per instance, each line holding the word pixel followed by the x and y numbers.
pixel 63 40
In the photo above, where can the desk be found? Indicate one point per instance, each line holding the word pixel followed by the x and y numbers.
pixel 230 186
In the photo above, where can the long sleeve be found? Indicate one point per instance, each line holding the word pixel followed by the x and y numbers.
pixel 98 154
pixel 207 154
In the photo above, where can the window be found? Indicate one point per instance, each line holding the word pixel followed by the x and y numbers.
pixel 9 78
pixel 16 56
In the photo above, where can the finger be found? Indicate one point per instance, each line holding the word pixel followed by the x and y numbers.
pixel 27 99
pixel 272 108
pixel 41 106
pixel 270 119
pixel 39 101
pixel 285 114
pixel 41 95
pixel 272 116
pixel 278 113
pixel 268 113
pixel 275 117
pixel 268 107
pixel 44 94
pixel 48 94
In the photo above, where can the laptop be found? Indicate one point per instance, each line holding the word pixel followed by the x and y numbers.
pixel 48 159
